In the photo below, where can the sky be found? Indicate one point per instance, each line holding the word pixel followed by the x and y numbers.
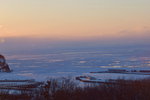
pixel 75 20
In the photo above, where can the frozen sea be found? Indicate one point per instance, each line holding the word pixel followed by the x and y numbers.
pixel 71 63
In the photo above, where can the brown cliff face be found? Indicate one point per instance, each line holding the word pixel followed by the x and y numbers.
pixel 3 65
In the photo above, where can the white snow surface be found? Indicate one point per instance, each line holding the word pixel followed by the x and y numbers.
pixel 71 64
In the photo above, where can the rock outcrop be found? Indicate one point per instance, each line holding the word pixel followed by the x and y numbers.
pixel 3 65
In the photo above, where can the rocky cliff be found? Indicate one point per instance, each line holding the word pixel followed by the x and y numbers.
pixel 3 65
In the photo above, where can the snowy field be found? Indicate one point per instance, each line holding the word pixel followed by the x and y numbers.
pixel 74 63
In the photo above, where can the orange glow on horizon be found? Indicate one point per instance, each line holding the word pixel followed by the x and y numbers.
pixel 64 19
